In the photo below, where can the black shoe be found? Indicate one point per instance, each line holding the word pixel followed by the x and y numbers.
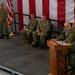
pixel 2 36
pixel 35 44
pixel 41 46
pixel 7 36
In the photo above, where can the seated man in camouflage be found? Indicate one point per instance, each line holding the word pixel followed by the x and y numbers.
pixel 41 33
pixel 68 36
pixel 27 33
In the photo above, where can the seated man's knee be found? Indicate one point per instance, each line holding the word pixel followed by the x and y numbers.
pixel 22 32
pixel 43 35
pixel 34 33
pixel 42 38
pixel 27 34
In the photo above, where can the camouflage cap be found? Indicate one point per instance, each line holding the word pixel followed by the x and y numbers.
pixel 1 4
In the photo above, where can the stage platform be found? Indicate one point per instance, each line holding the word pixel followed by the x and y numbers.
pixel 23 58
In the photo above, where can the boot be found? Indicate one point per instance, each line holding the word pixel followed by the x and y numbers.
pixel 7 36
pixel 25 40
pixel 28 41
pixel 35 44
pixel 41 46
pixel 2 36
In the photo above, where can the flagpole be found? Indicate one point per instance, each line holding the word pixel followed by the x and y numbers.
pixel 12 33
pixel 10 18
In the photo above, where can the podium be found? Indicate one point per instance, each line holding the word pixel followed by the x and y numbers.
pixel 57 62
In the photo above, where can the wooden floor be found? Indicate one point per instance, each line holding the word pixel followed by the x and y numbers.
pixel 25 59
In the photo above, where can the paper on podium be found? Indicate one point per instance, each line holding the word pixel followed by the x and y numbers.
pixel 62 43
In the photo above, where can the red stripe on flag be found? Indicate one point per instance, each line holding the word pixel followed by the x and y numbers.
pixel 10 12
pixel 74 9
pixel 32 7
pixel 45 7
pixel 61 11
pixel 20 17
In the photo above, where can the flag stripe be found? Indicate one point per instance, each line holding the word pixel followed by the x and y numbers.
pixel 32 7
pixel 61 11
pixel 53 12
pixel 45 7
pixel 38 7
pixel 20 17
pixel 53 9
pixel 74 9
pixel 26 11
pixel 69 10
pixel 10 12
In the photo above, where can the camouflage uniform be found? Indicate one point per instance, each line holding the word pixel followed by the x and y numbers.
pixel 43 28
pixel 73 28
pixel 72 56
pixel 32 27
pixel 69 37
pixel 3 22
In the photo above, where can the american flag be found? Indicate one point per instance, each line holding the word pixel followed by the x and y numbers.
pixel 63 10
pixel 10 12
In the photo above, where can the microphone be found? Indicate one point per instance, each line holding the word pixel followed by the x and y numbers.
pixel 63 35
pixel 63 32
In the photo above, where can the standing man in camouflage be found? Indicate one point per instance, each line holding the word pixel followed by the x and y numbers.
pixel 72 56
pixel 27 33
pixel 68 36
pixel 3 21
pixel 41 33
pixel 73 26
pixel 71 50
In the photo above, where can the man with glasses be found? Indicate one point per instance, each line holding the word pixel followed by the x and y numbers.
pixel 68 36
pixel 71 50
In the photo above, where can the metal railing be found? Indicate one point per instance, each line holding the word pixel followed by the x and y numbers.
pixel 17 23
